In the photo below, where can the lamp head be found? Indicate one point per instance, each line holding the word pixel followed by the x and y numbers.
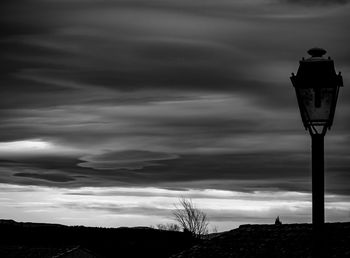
pixel 317 85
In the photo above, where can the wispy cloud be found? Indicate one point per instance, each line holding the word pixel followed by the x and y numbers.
pixel 178 94
pixel 225 209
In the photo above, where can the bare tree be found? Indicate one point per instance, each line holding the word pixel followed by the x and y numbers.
pixel 190 218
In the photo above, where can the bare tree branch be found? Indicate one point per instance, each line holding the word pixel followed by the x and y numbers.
pixel 190 218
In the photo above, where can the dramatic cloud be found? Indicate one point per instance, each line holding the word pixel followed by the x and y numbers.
pixel 169 94
pixel 124 160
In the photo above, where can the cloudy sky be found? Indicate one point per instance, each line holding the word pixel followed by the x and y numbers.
pixel 111 110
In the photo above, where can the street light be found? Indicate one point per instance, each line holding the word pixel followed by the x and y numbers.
pixel 317 85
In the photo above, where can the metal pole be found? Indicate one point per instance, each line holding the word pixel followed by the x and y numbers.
pixel 318 180
pixel 318 250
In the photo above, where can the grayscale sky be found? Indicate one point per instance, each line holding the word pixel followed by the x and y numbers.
pixel 111 110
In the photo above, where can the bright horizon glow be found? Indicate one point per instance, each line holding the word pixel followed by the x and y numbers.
pixel 25 145
pixel 32 147
pixel 137 206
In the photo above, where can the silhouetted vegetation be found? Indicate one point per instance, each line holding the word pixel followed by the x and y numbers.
pixel 191 219
pixel 168 227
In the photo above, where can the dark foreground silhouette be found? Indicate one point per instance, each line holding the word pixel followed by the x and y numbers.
pixel 53 240
pixel 248 241
pixel 273 241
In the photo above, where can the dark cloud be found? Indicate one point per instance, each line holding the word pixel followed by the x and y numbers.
pixel 59 178
pixel 318 2
pixel 130 160
pixel 236 172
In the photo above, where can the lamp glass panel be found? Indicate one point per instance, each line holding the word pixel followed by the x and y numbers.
pixel 316 103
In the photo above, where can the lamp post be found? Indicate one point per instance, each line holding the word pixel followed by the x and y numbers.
pixel 317 85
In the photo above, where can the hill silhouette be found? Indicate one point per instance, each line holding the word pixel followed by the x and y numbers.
pixel 273 241
pixel 42 240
